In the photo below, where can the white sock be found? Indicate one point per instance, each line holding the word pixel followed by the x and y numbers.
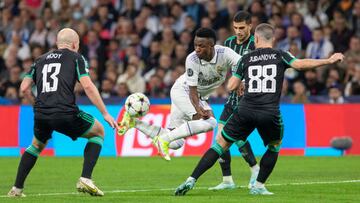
pixel 190 179
pixel 228 179
pixel 190 128
pixel 259 185
pixel 147 129
pixel 255 168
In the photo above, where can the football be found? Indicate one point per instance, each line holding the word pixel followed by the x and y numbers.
pixel 137 105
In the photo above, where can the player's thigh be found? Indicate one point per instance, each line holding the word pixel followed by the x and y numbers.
pixel 181 99
pixel 270 127
pixel 239 125
pixel 42 132
pixel 225 114
pixel 77 125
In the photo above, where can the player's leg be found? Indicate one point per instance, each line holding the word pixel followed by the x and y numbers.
pixel 206 162
pixel 232 132
pixel 42 133
pixel 225 158
pixel 271 131
pixel 249 157
pixel 86 126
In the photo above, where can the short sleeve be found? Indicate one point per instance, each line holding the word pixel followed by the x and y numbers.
pixel 192 71
pixel 232 57
pixel 82 67
pixel 287 58
pixel 31 73
pixel 239 69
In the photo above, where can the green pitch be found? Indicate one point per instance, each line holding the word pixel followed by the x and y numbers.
pixel 294 179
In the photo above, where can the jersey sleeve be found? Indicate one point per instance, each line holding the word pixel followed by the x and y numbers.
pixel 82 67
pixel 287 58
pixel 239 69
pixel 192 71
pixel 234 61
pixel 31 73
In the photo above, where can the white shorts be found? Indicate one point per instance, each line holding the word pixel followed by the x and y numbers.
pixel 182 109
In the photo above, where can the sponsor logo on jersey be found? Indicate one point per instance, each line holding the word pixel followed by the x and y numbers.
pixel 190 72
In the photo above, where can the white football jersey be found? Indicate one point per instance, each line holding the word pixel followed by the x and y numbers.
pixel 207 76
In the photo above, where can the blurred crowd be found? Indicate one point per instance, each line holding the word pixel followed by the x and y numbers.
pixel 141 45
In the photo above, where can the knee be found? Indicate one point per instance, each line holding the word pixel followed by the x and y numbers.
pixel 176 144
pixel 212 122
pixel 275 146
pixel 38 145
pixel 99 130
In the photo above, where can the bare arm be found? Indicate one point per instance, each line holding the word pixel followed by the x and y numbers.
pixel 94 96
pixel 303 64
pixel 25 89
pixel 233 83
pixel 194 98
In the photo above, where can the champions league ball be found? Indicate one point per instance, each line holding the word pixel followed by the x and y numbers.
pixel 137 105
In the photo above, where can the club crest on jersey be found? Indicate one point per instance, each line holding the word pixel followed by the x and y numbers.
pixel 190 72
pixel 220 69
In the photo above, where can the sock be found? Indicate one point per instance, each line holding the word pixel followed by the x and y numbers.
pixel 267 164
pixel 228 179
pixel 247 153
pixel 190 128
pixel 147 129
pixel 259 185
pixel 255 168
pixel 206 162
pixel 27 162
pixel 91 155
pixel 225 160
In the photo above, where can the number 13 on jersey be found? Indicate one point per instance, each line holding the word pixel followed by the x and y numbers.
pixel 262 79
pixel 48 69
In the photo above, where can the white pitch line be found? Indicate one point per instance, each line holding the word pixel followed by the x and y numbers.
pixel 199 188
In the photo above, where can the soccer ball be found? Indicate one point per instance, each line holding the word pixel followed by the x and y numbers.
pixel 137 105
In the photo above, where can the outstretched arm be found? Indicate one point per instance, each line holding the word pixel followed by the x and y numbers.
pixel 302 64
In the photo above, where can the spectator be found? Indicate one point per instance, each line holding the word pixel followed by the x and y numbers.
pixel 293 36
pixel 107 89
pixel 353 86
pixel 132 79
pixel 179 16
pixel 315 18
pixel 216 19
pixel 39 34
pixel 305 33
pixel 340 35
pixel 122 90
pixel 312 84
pixel 299 96
pixel 335 94
pixel 155 87
pixel 320 47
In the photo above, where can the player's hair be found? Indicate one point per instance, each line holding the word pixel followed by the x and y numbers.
pixel 241 16
pixel 206 33
pixel 265 31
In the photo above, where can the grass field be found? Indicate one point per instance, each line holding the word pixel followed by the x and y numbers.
pixel 295 179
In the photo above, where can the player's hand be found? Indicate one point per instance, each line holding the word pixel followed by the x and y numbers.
pixel 337 57
pixel 203 113
pixel 111 121
pixel 241 89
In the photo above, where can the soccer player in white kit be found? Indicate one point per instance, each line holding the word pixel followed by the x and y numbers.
pixel 206 69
